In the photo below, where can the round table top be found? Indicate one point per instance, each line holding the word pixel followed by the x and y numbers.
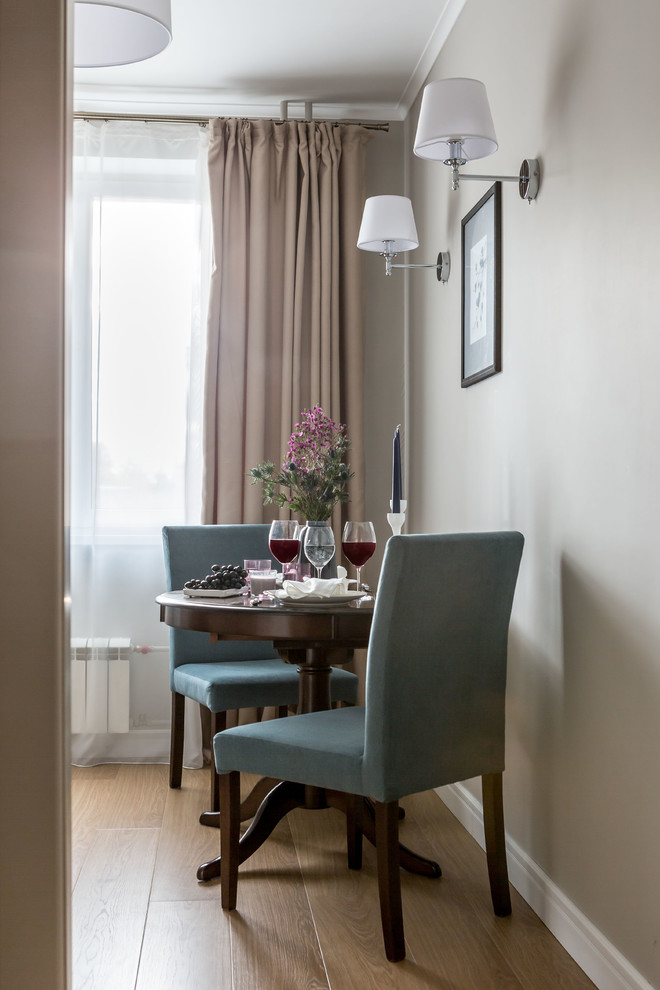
pixel 236 618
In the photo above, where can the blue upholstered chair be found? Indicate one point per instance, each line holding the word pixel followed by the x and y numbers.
pixel 226 675
pixel 434 714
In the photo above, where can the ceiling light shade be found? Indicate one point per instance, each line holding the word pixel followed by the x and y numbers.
pixel 109 32
pixel 391 219
pixel 455 122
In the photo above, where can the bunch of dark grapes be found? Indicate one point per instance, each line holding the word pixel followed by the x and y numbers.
pixel 223 577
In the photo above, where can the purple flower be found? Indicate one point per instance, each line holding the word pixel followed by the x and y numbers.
pixel 314 468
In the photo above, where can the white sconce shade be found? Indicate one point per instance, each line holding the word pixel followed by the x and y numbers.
pixel 391 219
pixel 455 121
pixel 108 32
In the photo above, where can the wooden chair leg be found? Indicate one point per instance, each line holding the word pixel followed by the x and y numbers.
pixel 218 724
pixel 491 788
pixel 389 878
pixel 230 814
pixel 354 810
pixel 176 738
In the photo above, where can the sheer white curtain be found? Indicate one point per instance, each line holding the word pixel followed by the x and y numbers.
pixel 142 260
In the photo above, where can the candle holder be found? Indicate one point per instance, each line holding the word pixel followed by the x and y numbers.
pixel 397 519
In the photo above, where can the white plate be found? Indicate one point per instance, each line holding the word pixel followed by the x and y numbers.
pixel 311 601
pixel 214 592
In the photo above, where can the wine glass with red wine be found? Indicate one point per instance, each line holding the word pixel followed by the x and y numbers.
pixel 358 543
pixel 284 540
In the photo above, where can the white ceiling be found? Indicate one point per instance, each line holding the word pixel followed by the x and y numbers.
pixel 355 59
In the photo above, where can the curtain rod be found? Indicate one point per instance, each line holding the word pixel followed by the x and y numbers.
pixel 204 121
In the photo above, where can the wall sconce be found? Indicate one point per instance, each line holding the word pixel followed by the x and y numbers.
pixel 388 226
pixel 117 32
pixel 455 126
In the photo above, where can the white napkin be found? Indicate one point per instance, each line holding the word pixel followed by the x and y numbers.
pixel 318 587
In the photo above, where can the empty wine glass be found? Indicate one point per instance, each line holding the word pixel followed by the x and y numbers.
pixel 319 546
pixel 358 543
pixel 284 540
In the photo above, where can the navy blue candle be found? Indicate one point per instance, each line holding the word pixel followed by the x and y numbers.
pixel 396 472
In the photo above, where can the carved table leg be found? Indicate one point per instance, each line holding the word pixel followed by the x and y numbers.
pixel 409 860
pixel 282 799
pixel 248 807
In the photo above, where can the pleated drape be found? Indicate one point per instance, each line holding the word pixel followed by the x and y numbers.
pixel 285 327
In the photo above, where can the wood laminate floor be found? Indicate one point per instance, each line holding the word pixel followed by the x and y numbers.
pixel 141 921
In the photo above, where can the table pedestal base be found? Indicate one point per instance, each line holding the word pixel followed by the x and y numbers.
pixel 249 806
pixel 283 798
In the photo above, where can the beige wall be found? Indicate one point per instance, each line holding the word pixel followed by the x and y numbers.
pixel 385 361
pixel 385 352
pixel 33 808
pixel 563 444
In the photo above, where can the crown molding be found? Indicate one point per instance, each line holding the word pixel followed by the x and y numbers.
pixel 434 45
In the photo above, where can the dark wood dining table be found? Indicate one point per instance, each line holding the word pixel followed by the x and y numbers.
pixel 315 639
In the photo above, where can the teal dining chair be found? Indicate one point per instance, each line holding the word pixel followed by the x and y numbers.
pixel 226 675
pixel 433 714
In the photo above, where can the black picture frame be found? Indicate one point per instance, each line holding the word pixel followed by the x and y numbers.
pixel 481 289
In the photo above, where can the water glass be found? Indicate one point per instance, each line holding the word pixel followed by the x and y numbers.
pixel 261 581
pixel 296 571
pixel 319 546
pixel 256 565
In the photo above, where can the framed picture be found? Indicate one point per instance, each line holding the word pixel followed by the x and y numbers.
pixel 481 289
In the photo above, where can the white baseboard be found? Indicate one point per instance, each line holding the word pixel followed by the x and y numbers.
pixel 599 959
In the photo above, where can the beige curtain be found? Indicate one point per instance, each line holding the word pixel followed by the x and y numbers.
pixel 285 328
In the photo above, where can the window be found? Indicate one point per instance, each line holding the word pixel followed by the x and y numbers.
pixel 141 262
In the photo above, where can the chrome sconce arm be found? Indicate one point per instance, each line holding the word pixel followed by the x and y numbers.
pixel 528 178
pixel 442 265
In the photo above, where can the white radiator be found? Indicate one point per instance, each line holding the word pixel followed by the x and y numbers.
pixel 100 697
